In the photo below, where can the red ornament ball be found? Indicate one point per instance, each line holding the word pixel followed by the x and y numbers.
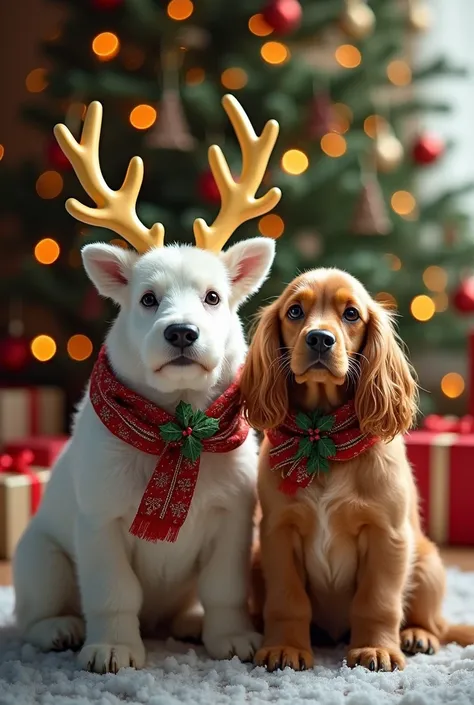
pixel 207 188
pixel 106 4
pixel 284 16
pixel 427 149
pixel 463 299
pixel 56 157
pixel 14 353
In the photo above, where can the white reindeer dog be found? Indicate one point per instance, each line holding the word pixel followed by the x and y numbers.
pixel 80 576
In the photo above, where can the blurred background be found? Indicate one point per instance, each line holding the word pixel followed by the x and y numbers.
pixel 375 158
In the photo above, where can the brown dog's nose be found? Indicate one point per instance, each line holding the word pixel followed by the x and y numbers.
pixel 321 341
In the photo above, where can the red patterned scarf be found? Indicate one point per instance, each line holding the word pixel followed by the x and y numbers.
pixel 177 441
pixel 305 443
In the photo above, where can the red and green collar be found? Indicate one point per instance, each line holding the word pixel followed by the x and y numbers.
pixel 303 444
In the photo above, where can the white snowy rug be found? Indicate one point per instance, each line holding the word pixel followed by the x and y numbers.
pixel 177 674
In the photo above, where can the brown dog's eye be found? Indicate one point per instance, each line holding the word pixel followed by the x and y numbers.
pixel 351 314
pixel 295 312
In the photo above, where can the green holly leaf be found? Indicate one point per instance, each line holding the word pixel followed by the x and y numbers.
pixel 184 414
pixel 303 421
pixel 325 423
pixel 305 449
pixel 206 427
pixel 316 463
pixel 326 447
pixel 171 432
pixel 192 448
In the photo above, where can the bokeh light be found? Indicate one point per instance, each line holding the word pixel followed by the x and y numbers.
pixel 180 9
pixel 43 348
pixel 143 116
pixel 403 202
pixel 106 46
pixel 452 385
pixel 435 278
pixel 47 251
pixel 333 144
pixel 422 308
pixel 348 56
pixel 195 76
pixel 386 299
pixel 394 262
pixel 36 81
pixel 271 225
pixel 2 151
pixel 441 302
pixel 399 73
pixel 275 52
pixel 294 162
pixel 234 78
pixel 258 26
pixel 374 124
pixel 343 117
pixel 49 184
pixel 79 347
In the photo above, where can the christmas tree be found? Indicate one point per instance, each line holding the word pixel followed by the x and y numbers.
pixel 334 73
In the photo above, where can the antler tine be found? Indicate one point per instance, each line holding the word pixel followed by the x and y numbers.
pixel 238 202
pixel 116 210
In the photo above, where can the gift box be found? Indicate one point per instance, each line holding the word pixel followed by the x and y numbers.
pixel 442 457
pixel 30 411
pixel 21 489
pixel 44 449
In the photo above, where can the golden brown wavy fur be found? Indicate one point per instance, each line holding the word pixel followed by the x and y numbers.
pixel 347 554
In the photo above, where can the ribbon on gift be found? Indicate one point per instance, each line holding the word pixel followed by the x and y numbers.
pixel 449 424
pixel 21 463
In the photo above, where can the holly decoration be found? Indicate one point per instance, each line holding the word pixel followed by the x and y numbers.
pixel 56 157
pixel 427 149
pixel 283 16
pixel 316 445
pixel 207 188
pixel 190 429
pixel 463 299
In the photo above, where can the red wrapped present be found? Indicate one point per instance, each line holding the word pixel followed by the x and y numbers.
pixel 442 457
pixel 21 489
pixel 30 411
pixel 44 449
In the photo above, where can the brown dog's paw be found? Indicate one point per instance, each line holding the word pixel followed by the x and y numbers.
pixel 418 641
pixel 376 659
pixel 275 657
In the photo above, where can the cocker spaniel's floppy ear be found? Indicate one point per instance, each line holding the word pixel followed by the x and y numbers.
pixel 263 381
pixel 387 394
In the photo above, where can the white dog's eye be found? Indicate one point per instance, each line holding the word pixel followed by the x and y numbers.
pixel 212 298
pixel 149 300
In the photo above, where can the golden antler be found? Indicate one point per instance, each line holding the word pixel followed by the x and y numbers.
pixel 115 209
pixel 238 202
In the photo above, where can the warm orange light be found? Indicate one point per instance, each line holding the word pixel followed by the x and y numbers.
pixel 386 299
pixel 234 78
pixel 333 145
pixel 180 9
pixel 36 81
pixel 106 46
pixel 403 202
pixel 49 184
pixel 259 27
pixel 441 302
pixel 79 347
pixel 294 161
pixel 348 56
pixel 373 124
pixel 143 116
pixel 399 73
pixel 195 76
pixel 43 348
pixel 275 52
pixel 394 262
pixel 422 308
pixel 47 251
pixel 435 278
pixel 343 117
pixel 271 226
pixel 2 151
pixel 452 385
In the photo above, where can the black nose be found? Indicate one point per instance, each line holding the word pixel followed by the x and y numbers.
pixel 320 340
pixel 181 335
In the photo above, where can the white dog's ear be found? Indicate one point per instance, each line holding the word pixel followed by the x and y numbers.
pixel 109 268
pixel 248 263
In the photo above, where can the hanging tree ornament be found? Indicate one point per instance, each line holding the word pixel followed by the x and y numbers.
pixel 370 214
pixel 463 299
pixel 171 130
pixel 283 16
pixel 427 149
pixel 357 19
pixel 419 15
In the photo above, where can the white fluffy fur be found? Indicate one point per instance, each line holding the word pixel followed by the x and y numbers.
pixel 78 573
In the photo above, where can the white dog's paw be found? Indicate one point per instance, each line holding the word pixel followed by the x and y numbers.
pixel 188 625
pixel 110 658
pixel 56 633
pixel 225 646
